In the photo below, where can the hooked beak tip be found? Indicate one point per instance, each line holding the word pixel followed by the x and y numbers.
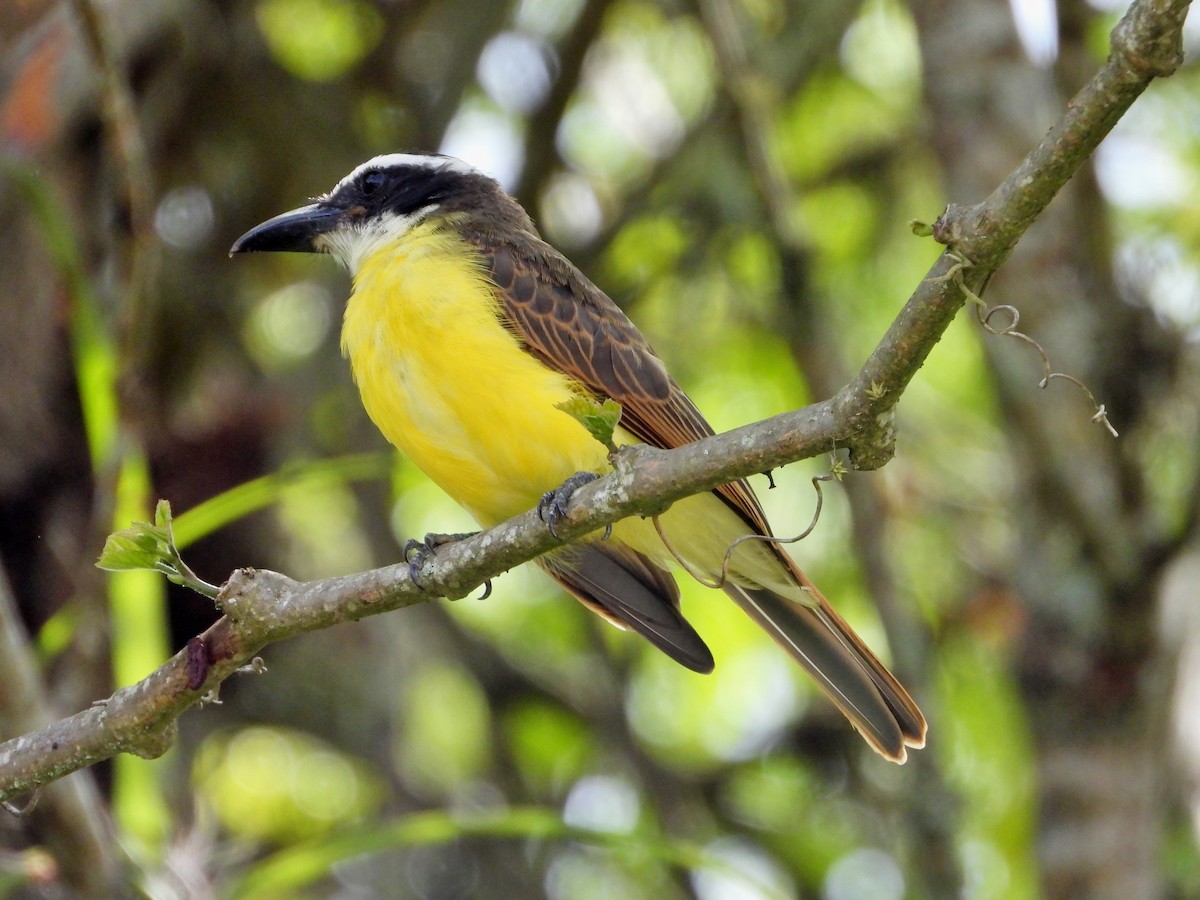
pixel 294 231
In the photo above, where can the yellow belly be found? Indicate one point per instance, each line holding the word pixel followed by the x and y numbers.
pixel 451 388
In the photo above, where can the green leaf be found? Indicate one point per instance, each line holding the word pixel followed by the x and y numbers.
pixel 162 516
pixel 135 547
pixel 600 419
pixel 146 546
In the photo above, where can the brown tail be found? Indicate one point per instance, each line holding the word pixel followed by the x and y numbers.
pixel 629 590
pixel 845 668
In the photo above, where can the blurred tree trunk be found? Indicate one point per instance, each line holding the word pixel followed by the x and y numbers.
pixel 1085 563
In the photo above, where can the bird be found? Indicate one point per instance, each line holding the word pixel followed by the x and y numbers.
pixel 469 336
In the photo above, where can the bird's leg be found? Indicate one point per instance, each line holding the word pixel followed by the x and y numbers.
pixel 552 508
pixel 417 551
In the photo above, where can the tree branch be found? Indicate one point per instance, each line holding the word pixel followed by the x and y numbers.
pixel 262 607
pixel 1146 44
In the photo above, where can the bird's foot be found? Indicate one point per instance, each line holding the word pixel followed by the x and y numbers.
pixel 552 508
pixel 417 551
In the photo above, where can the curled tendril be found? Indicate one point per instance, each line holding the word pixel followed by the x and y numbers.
pixel 984 315
pixel 766 539
pixel 27 808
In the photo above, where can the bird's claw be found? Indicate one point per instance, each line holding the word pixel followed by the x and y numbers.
pixel 417 551
pixel 552 508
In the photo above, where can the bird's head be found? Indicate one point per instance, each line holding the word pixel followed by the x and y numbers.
pixel 376 204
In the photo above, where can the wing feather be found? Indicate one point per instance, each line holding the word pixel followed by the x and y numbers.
pixel 630 591
pixel 574 327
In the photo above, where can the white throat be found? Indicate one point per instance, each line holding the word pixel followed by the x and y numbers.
pixel 351 245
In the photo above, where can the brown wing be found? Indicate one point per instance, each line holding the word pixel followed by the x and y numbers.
pixel 573 326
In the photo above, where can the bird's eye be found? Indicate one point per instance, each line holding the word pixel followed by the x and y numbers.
pixel 373 181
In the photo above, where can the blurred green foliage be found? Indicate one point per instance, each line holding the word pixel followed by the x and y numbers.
pixel 319 40
pixel 281 786
pixel 446 736
pixel 437 727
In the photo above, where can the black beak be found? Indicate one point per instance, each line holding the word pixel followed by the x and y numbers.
pixel 293 231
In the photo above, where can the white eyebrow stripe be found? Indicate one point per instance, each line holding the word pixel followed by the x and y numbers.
pixel 394 160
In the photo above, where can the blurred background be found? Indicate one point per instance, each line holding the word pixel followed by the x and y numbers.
pixel 739 175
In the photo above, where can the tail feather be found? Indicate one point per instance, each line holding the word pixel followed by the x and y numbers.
pixel 626 582
pixel 846 670
pixel 626 588
pixel 907 713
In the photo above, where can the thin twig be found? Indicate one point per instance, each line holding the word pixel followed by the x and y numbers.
pixel 984 315
pixel 738 541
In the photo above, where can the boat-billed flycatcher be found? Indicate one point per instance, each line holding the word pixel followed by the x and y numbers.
pixel 466 333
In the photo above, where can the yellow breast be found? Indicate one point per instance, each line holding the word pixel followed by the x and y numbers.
pixel 450 387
